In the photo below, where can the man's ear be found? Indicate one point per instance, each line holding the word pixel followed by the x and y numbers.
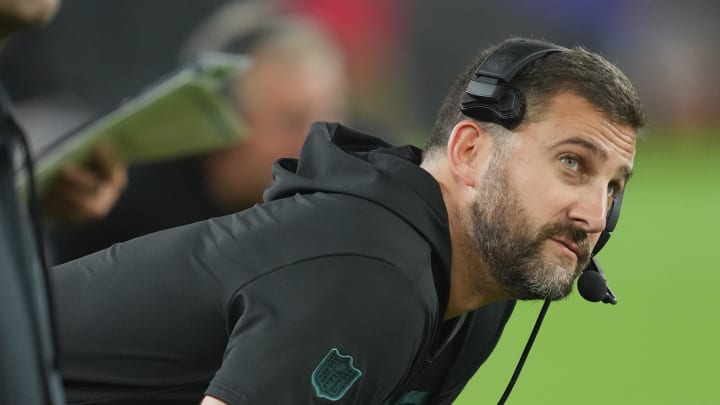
pixel 469 150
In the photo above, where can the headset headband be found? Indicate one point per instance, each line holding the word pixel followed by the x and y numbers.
pixel 489 96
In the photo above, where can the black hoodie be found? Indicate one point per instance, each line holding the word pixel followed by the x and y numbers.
pixel 331 291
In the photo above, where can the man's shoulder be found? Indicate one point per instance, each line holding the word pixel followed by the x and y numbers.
pixel 329 224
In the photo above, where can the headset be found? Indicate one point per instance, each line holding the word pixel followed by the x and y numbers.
pixel 490 97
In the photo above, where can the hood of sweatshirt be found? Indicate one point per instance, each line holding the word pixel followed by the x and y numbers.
pixel 338 159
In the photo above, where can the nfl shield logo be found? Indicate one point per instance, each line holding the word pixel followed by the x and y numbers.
pixel 334 376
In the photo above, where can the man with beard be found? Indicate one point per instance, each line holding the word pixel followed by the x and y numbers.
pixel 371 274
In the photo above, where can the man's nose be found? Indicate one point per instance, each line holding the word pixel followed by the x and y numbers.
pixel 589 212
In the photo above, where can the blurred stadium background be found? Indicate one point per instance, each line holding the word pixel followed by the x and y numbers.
pixel 659 344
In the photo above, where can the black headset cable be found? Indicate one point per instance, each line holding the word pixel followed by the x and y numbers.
pixel 525 352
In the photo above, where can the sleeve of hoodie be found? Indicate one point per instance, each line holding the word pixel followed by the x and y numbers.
pixel 338 329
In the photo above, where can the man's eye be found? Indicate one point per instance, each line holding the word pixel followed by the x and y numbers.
pixel 570 162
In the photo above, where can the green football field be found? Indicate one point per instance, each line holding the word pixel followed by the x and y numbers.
pixel 661 343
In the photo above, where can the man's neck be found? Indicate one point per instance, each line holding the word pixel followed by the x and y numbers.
pixel 471 283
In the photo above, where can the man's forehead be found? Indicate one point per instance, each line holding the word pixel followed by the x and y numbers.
pixel 571 116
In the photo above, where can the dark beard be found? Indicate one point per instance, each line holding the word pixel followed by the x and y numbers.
pixel 502 234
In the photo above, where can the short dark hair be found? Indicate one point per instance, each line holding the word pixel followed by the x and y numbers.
pixel 579 70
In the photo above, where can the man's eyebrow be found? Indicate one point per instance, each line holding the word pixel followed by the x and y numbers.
pixel 625 171
pixel 591 146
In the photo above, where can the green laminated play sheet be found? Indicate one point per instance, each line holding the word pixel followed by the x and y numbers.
pixel 189 111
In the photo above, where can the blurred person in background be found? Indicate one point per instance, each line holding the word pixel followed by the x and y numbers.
pixel 28 364
pixel 296 77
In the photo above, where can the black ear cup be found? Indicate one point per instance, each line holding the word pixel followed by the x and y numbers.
pixel 508 111
pixel 610 222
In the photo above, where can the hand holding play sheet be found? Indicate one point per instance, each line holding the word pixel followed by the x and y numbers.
pixel 85 192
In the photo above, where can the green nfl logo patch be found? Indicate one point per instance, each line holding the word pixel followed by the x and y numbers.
pixel 334 376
